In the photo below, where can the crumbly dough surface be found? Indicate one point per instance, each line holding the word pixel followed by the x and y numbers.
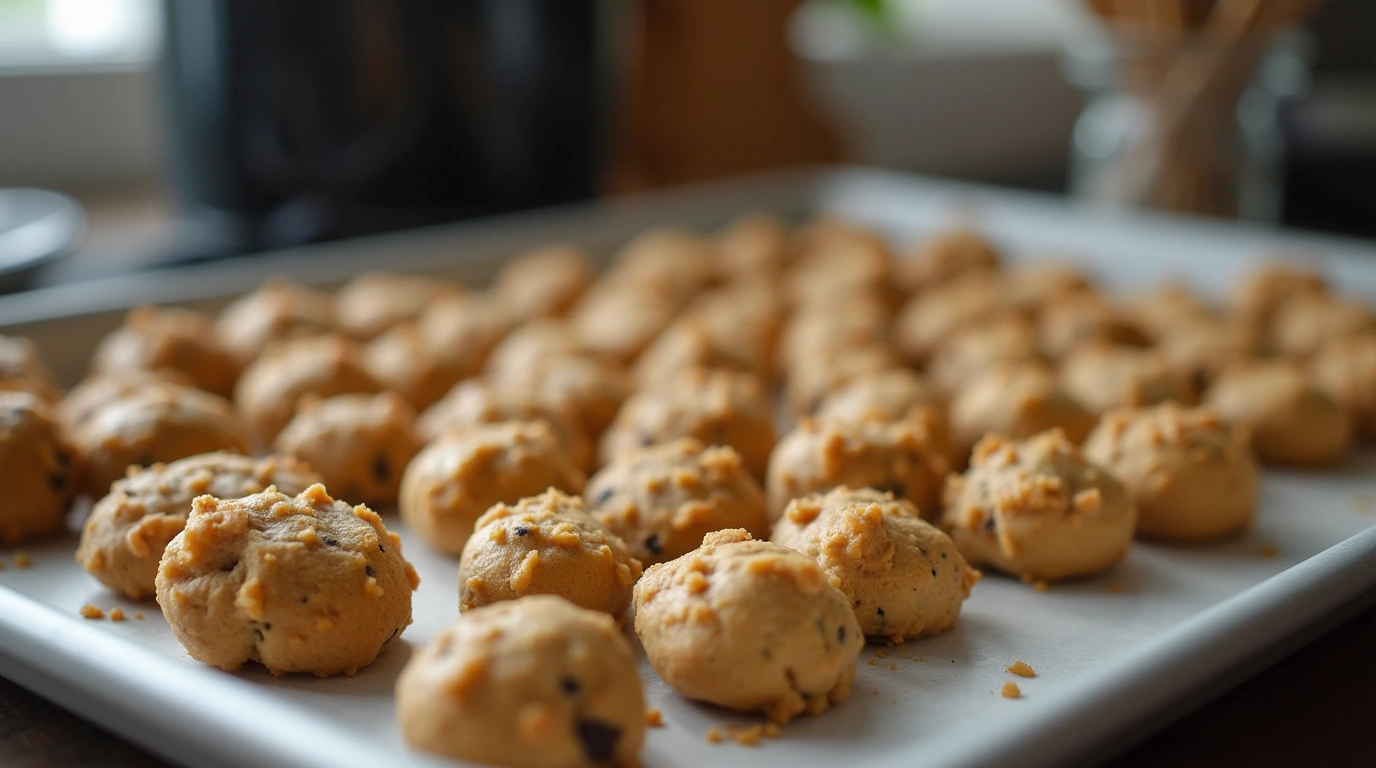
pixel 664 499
pixel 273 385
pixel 127 530
pixel 531 683
pixel 458 476
pixel 154 424
pixel 714 407
pixel 546 545
pixel 899 457
pixel 166 338
pixel 36 467
pixel 903 576
pixel 360 444
pixel 748 625
pixel 1037 509
pixel 1193 479
pixel 299 583
pixel 1290 420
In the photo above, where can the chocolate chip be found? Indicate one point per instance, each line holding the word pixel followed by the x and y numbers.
pixel 63 460
pixel 368 569
pixel 382 468
pixel 840 634
pixel 603 497
pixel 258 633
pixel 991 525
pixel 304 599
pixel 331 542
pixel 521 530
pixel 57 482
pixel 943 555
pixel 652 544
pixel 599 739
pixel 933 573
pixel 267 625
pixel 381 548
pixel 879 611
pixel 766 654
pixel 570 686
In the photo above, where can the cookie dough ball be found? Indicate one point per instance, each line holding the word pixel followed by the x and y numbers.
pixel 890 395
pixel 742 319
pixel 94 392
pixel 400 361
pixel 460 332
pixel 1036 509
pixel 751 245
pixel 155 424
pixel 544 282
pixel 1103 377
pixel 715 407
pixel 822 331
pixel 1301 325
pixel 587 390
pixel 1258 296
pixel 456 478
pixel 815 376
pixel 898 457
pixel 1032 289
pixel 360 444
pixel 662 500
pixel 1193 479
pixel 1345 369
pixel 375 301
pixel 1017 401
pixel 941 259
pixel 479 401
pixel 530 683
pixel 279 309
pixel 271 387
pixel 902 575
pixel 682 347
pixel 1080 319
pixel 930 318
pixel 670 263
pixel 23 370
pixel 859 267
pixel 152 339
pixel 748 625
pixel 1290 420
pixel 1160 311
pixel 620 322
pixel 969 352
pixel 297 583
pixel 531 345
pixel 35 467
pixel 546 545
pixel 125 535
pixel 1199 351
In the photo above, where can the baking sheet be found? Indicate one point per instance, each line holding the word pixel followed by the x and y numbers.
pixel 1113 654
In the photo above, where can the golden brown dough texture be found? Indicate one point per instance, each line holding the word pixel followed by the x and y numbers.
pixel 360 444
pixel 37 468
pixel 154 338
pixel 1289 419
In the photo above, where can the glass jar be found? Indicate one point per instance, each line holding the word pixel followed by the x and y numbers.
pixel 1219 151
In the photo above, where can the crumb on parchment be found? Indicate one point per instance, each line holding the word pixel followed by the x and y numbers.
pixel 1011 691
pixel 116 614
pixel 654 718
pixel 1040 585
pixel 138 616
pixel 1114 586
pixel 22 559
pixel 713 735
pixel 89 611
pixel 1269 551
pixel 1021 669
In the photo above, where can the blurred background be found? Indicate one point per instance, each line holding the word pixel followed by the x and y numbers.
pixel 206 129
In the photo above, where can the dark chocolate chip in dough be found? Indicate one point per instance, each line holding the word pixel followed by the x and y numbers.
pixel 570 686
pixel 521 530
pixel 879 611
pixel 603 497
pixel 57 482
pixel 652 544
pixel 368 569
pixel 840 634
pixel 598 738
pixel 331 542
pixel 382 468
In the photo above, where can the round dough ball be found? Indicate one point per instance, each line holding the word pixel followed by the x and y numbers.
pixel 456 478
pixel 971 351
pixel 1199 351
pixel 1083 318
pixel 748 625
pixel 1301 325
pixel 815 376
pixel 685 346
pixel 531 345
pixel 752 244
pixel 1345 369
pixel 360 444
pixel 742 319
pixel 324 366
pixel 889 395
pixel 1032 289
pixel 1257 297
pixel 899 457
pixel 669 262
pixel 478 401
pixel 22 370
pixel 94 392
pixel 715 407
pixel 125 535
pixel 859 268
pixel 945 257
pixel 814 332
pixel 177 339
pixel 544 282
pixel 902 575
pixel 620 321
pixel 1102 378
pixel 279 309
pixel 375 301
pixel 1192 478
pixel 587 390
pixel 155 424
pixel 530 683
pixel 401 362
pixel 1162 310
pixel 35 467
pixel 1289 419
pixel 460 332
pixel 930 318
pixel 298 584
pixel 1018 401
pixel 664 499
pixel 546 545
pixel 1036 509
